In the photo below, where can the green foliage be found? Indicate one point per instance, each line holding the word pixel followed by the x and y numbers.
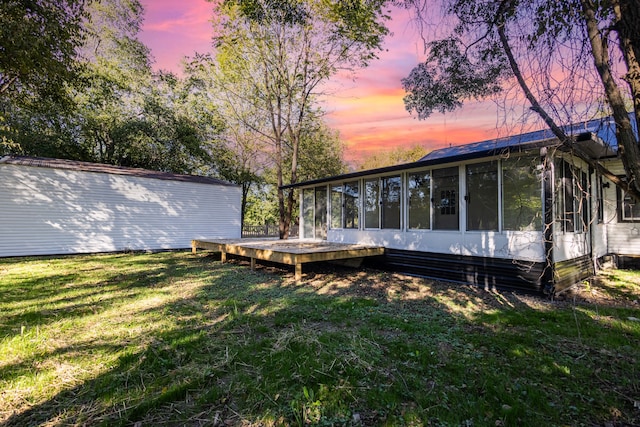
pixel 447 77
pixel 39 42
pixel 392 157
pixel 122 114
pixel 272 57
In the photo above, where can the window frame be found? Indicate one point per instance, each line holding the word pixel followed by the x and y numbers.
pixel 376 203
pixel 356 205
pixel 386 205
pixel 452 207
pixel 493 166
pixel 621 199
pixel 533 161
pixel 429 197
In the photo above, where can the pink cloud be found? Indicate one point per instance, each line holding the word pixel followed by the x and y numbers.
pixel 368 110
pixel 174 29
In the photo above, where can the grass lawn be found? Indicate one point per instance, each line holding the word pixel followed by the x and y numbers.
pixel 177 339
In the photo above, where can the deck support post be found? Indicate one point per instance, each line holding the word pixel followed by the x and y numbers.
pixel 223 257
pixel 298 275
pixel 253 264
pixel 193 247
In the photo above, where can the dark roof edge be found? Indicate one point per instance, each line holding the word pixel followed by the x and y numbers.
pixel 423 163
pixel 74 165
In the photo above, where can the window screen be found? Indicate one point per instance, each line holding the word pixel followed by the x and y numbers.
pixel 419 188
pixel 445 199
pixel 336 206
pixel 391 192
pixel 372 204
pixel 351 196
pixel 482 196
pixel 308 216
pixel 521 194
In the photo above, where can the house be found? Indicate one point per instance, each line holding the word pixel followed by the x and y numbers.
pixel 53 206
pixel 520 212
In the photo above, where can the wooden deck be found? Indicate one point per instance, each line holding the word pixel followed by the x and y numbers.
pixel 291 252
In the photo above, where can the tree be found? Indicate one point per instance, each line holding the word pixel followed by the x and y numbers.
pixel 274 55
pixel 392 157
pixel 239 154
pixel 570 59
pixel 39 42
pixel 123 114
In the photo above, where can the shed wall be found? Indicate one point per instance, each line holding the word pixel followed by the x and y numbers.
pixel 56 211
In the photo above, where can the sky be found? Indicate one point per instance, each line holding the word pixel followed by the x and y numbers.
pixel 366 108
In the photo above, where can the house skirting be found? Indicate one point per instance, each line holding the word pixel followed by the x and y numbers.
pixel 568 273
pixel 627 261
pixel 489 273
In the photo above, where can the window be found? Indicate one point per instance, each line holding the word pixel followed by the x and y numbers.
pixel 482 196
pixel 351 196
pixel 372 204
pixel 521 194
pixel 321 213
pixel 336 206
pixel 581 201
pixel 572 197
pixel 445 199
pixel 599 199
pixel 630 209
pixel 391 196
pixel 308 216
pixel 565 213
pixel 419 187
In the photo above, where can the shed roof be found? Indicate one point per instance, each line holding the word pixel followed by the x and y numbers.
pixel 596 137
pixel 44 162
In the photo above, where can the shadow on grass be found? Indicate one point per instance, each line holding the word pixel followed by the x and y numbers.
pixel 345 347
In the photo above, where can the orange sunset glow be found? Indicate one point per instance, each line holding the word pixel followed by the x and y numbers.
pixel 366 107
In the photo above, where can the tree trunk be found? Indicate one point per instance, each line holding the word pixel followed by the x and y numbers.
pixel 557 130
pixel 628 148
pixel 628 16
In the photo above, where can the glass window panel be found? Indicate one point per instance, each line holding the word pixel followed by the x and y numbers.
pixel 630 208
pixel 567 195
pixel 581 191
pixel 351 204
pixel 336 206
pixel 419 200
pixel 482 196
pixel 521 194
pixel 391 196
pixel 308 213
pixel 372 204
pixel 445 199
pixel 321 213
pixel 599 200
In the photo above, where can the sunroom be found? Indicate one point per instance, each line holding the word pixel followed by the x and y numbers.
pixel 509 213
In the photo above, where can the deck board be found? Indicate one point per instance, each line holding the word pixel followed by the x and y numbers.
pixel 291 252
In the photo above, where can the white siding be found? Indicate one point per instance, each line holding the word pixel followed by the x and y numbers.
pixel 521 245
pixel 623 238
pixel 56 211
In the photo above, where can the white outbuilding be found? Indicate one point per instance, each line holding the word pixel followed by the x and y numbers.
pixel 54 206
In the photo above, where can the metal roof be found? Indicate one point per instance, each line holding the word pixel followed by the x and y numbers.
pixel 604 129
pixel 596 137
pixel 44 162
